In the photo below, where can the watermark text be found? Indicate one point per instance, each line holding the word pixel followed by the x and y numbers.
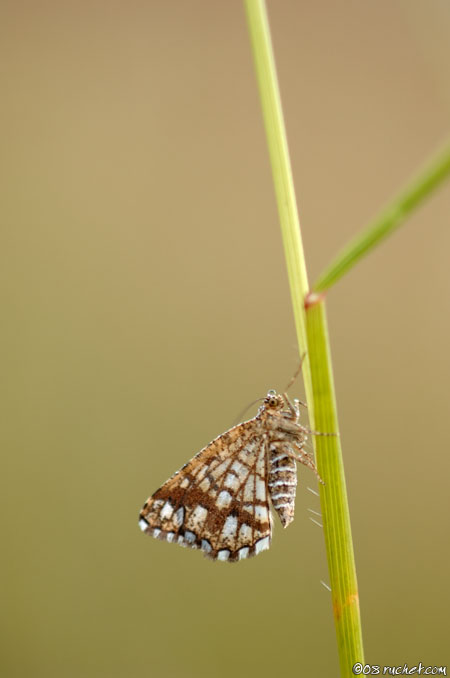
pixel 405 670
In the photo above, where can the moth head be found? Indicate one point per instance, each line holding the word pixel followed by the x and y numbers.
pixel 273 401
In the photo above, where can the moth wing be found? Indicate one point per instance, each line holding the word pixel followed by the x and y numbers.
pixel 218 502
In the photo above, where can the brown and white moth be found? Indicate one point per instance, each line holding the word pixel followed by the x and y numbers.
pixel 219 501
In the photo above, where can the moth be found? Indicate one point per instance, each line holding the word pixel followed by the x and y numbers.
pixel 218 502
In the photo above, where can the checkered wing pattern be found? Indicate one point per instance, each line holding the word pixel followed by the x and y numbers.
pixel 218 502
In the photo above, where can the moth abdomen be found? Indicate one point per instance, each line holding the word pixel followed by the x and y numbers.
pixel 282 483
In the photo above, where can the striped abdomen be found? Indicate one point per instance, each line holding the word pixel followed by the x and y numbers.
pixel 282 483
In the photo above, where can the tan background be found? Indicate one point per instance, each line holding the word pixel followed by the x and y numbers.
pixel 146 303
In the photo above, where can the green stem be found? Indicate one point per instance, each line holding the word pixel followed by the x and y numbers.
pixel 281 170
pixel 420 188
pixel 333 496
pixel 312 337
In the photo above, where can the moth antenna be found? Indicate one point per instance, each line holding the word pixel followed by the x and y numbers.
pixel 294 377
pixel 247 407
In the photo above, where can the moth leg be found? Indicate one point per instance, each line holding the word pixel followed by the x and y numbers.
pixel 307 461
pixel 296 406
pixel 293 407
pixel 303 457
pixel 304 429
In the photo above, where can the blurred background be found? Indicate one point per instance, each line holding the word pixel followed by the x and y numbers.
pixel 145 303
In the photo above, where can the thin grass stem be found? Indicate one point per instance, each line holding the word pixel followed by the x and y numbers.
pixel 389 219
pixel 317 371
